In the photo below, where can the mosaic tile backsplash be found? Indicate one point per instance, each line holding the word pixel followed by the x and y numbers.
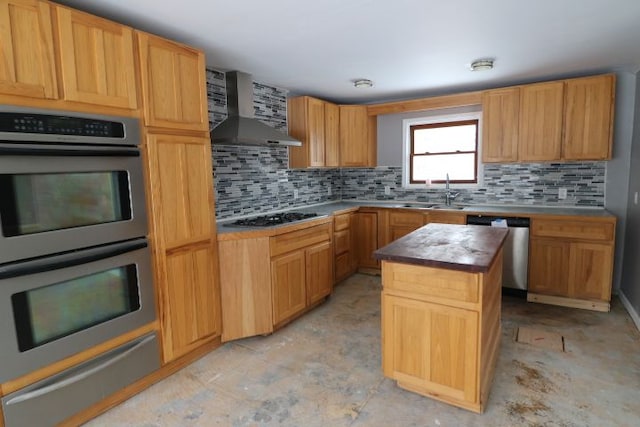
pixel 254 180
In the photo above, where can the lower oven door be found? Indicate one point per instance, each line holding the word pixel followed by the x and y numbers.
pixel 54 307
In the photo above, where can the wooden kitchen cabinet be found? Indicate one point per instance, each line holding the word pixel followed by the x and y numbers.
pixel 571 262
pixel 446 217
pixel 96 60
pixel 27 64
pixel 562 120
pixel 173 84
pixel 588 118
pixel 301 271
pixel 184 240
pixel 315 123
pixel 345 263
pixel 500 125
pixel 403 222
pixel 366 232
pixel 358 137
pixel 540 133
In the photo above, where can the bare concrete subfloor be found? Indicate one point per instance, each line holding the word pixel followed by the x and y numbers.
pixel 324 370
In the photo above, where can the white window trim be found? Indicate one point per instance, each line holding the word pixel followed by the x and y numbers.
pixel 439 118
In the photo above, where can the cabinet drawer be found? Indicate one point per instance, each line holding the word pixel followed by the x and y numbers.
pixel 406 219
pixel 341 222
pixel 586 230
pixel 299 239
pixel 439 284
pixel 342 242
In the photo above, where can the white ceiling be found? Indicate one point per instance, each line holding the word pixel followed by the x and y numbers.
pixel 409 48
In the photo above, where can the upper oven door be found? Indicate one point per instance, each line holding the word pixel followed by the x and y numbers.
pixel 57 198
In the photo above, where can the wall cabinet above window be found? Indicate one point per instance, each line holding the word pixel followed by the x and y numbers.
pixel 552 121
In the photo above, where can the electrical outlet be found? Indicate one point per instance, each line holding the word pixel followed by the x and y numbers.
pixel 295 193
pixel 329 192
pixel 387 190
pixel 562 193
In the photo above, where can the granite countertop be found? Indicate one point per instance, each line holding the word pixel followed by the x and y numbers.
pixel 333 208
pixel 470 248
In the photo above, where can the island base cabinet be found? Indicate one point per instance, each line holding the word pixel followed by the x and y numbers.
pixel 441 330
pixel 430 348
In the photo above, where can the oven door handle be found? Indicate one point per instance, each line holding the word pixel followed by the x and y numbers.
pixel 53 150
pixel 70 259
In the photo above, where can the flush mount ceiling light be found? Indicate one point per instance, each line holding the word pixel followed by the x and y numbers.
pixel 481 64
pixel 363 83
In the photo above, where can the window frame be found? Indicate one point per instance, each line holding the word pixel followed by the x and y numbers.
pixel 441 116
pixel 448 123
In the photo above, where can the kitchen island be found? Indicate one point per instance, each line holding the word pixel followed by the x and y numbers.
pixel 441 303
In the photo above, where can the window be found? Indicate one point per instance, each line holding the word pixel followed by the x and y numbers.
pixel 439 145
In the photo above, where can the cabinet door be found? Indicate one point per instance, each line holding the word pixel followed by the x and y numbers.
pixel 549 267
pixel 315 111
pixel 288 283
pixel 403 223
pixel 500 122
pixel 431 347
pixel 331 135
pixel 366 241
pixel 356 143
pixel 319 272
pixel 541 122
pixel 588 118
pixel 173 84
pixel 27 65
pixel 591 270
pixel 96 60
pixel 184 241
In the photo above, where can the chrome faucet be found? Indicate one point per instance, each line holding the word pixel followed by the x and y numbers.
pixel 449 195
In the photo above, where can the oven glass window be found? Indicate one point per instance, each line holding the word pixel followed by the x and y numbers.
pixel 54 311
pixel 34 203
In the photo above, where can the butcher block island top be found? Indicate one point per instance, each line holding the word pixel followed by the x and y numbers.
pixel 441 302
pixel 469 248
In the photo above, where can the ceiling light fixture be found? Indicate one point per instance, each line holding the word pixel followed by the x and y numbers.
pixel 363 83
pixel 481 64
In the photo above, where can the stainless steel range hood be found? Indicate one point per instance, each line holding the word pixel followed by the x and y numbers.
pixel 240 127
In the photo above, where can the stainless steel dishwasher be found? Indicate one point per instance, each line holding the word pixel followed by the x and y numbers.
pixel 516 251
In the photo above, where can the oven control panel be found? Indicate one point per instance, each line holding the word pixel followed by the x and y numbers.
pixel 19 122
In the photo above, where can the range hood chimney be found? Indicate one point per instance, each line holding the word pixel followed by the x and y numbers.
pixel 241 127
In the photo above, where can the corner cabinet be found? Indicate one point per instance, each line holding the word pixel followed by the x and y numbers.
pixel 173 84
pixel 184 241
pixel 27 64
pixel 358 137
pixel 571 262
pixel 96 60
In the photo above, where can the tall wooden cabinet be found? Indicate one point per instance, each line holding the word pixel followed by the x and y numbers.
pixel 181 200
pixel 27 63
pixel 96 60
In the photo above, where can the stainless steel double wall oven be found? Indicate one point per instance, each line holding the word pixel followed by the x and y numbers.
pixel 75 268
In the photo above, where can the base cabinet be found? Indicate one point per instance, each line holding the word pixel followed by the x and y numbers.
pixel 288 283
pixel 571 262
pixel 345 262
pixel 366 232
pixel 441 331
